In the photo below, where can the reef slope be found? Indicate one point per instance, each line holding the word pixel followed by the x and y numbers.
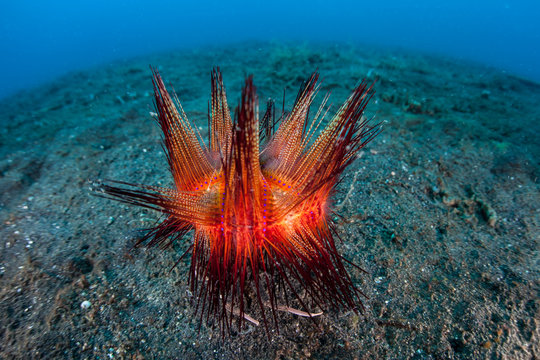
pixel 441 210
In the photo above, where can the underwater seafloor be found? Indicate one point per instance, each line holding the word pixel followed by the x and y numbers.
pixel 441 210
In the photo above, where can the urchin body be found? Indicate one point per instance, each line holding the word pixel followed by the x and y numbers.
pixel 257 200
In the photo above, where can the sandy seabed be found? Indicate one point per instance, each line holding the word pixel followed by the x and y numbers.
pixel 441 210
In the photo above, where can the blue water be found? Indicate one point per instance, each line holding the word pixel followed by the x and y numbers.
pixel 41 40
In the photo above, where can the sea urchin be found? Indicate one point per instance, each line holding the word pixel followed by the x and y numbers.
pixel 257 198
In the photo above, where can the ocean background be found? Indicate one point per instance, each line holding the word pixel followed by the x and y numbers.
pixel 440 211
pixel 44 39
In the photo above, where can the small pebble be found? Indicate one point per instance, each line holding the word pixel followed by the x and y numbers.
pixel 85 304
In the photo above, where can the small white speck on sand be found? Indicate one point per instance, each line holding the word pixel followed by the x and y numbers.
pixel 86 304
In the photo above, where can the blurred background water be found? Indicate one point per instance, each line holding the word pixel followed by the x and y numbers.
pixel 41 40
